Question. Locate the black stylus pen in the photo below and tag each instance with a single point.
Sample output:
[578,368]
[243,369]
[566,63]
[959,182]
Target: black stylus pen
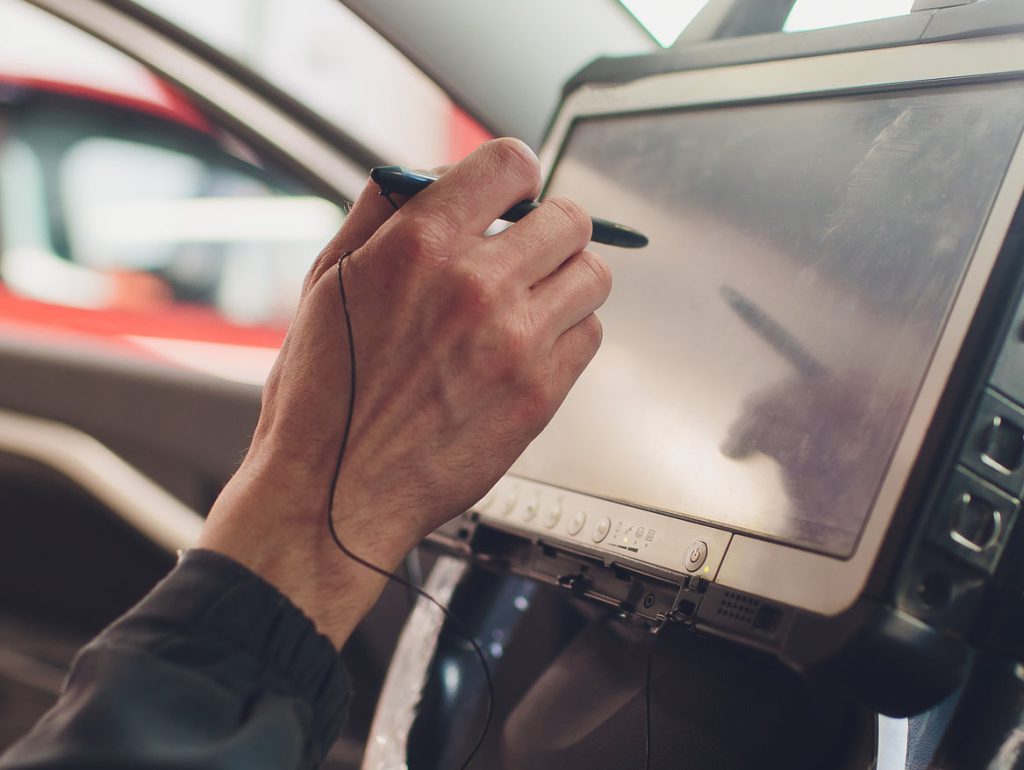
[404,181]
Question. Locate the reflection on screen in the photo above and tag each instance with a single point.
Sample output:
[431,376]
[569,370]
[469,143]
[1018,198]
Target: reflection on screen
[763,353]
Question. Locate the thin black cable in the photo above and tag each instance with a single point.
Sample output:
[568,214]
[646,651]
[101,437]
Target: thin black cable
[647,713]
[413,572]
[373,567]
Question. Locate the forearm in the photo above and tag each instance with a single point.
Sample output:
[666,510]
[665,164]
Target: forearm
[215,668]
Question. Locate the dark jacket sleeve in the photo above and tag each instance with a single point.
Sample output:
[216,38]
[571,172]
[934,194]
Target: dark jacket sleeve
[213,669]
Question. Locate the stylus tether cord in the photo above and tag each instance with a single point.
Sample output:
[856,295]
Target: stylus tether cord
[456,623]
[647,710]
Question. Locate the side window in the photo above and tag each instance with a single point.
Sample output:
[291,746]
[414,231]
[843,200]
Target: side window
[116,196]
[198,230]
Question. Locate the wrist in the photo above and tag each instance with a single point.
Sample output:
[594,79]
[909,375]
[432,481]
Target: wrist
[277,528]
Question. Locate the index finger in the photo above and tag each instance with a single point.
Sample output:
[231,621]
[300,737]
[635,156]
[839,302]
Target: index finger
[482,186]
[367,214]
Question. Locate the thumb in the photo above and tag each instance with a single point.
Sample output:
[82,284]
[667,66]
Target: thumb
[367,214]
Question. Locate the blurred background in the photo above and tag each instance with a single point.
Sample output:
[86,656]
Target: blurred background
[119,195]
[153,239]
[129,201]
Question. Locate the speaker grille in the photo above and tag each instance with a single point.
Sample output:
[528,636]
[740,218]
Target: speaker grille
[738,608]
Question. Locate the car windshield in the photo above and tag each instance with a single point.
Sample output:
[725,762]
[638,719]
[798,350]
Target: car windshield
[324,55]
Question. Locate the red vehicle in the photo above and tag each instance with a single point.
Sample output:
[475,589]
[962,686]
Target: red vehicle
[128,220]
[129,217]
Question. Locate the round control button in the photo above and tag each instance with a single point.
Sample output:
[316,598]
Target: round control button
[695,556]
[577,521]
[553,515]
[530,512]
[601,529]
[509,505]
[1003,446]
[976,524]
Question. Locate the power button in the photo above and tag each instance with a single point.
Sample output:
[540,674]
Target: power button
[695,556]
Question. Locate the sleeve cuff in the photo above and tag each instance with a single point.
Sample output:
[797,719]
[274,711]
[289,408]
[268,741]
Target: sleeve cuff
[210,608]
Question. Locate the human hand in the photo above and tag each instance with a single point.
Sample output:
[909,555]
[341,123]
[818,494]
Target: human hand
[465,347]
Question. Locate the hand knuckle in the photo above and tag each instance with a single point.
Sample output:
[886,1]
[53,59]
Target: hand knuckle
[602,273]
[515,156]
[473,292]
[426,235]
[576,219]
[593,331]
[328,256]
[312,274]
